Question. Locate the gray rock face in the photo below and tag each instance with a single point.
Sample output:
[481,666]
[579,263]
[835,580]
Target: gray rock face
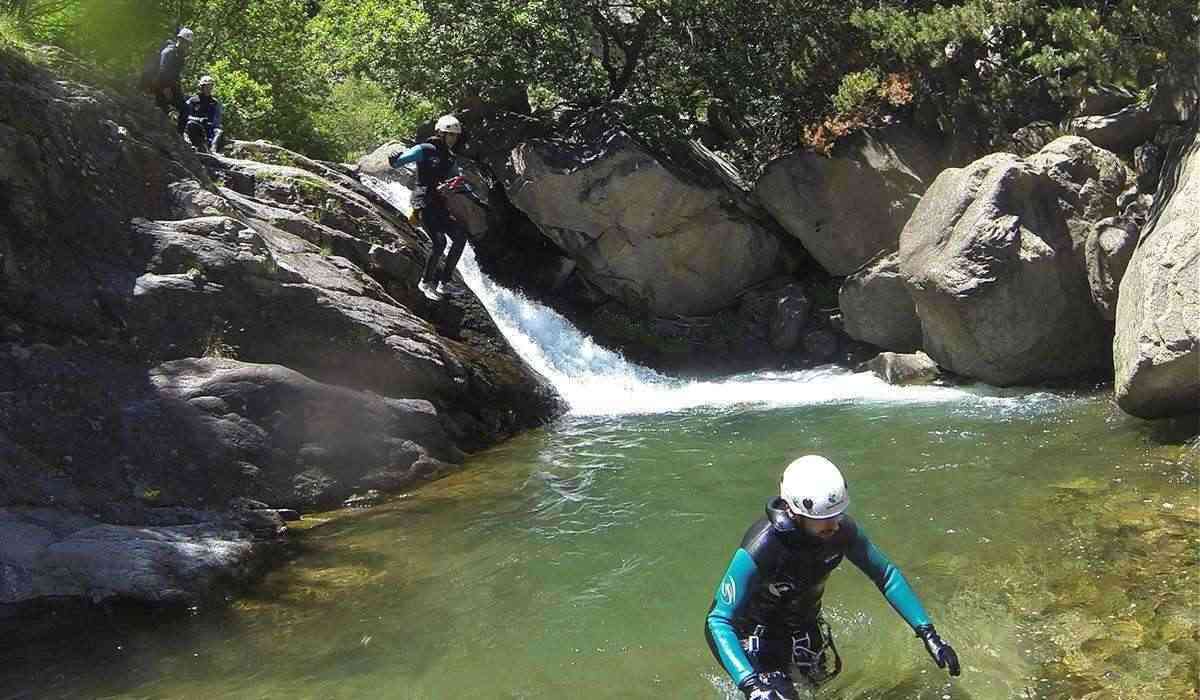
[1031,138]
[994,259]
[652,236]
[877,307]
[1119,131]
[848,208]
[1105,99]
[298,442]
[896,368]
[129,283]
[1109,247]
[47,552]
[1156,352]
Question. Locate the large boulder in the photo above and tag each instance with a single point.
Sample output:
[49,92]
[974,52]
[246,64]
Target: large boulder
[877,307]
[1120,131]
[994,259]
[659,237]
[49,554]
[300,443]
[848,208]
[1156,352]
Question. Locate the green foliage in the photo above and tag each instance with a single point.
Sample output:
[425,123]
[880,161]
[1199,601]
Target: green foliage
[246,103]
[359,115]
[11,35]
[1008,62]
[333,78]
[857,90]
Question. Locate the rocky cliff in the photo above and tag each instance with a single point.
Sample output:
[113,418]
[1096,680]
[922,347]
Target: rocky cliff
[188,347]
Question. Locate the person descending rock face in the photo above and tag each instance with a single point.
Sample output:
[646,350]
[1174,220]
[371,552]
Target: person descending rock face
[204,118]
[161,75]
[437,175]
[765,621]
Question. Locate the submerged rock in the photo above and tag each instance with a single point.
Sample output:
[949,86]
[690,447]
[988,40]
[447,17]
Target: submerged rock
[896,368]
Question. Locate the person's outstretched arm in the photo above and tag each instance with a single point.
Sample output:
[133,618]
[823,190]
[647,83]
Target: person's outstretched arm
[887,577]
[415,154]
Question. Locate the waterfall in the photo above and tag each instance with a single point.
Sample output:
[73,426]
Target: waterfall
[597,381]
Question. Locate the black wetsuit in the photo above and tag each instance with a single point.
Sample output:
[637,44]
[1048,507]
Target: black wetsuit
[435,165]
[201,134]
[766,613]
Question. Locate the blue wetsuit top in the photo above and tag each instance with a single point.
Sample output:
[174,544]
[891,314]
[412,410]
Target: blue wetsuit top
[776,579]
[416,154]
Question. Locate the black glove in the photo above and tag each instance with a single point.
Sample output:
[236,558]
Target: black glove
[942,653]
[759,687]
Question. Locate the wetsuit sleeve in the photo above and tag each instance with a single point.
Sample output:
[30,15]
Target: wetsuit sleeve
[888,579]
[415,154]
[216,116]
[732,593]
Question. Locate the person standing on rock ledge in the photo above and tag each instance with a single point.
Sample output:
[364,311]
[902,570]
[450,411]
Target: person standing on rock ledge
[204,118]
[765,621]
[162,72]
[436,177]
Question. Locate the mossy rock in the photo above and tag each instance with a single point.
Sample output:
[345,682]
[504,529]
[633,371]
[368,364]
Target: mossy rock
[1083,485]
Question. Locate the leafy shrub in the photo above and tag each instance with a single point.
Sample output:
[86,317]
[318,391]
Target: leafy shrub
[858,91]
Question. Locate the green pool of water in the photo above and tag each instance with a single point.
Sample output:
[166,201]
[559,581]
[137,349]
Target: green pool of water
[1053,541]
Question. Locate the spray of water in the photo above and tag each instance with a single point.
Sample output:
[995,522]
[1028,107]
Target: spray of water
[597,381]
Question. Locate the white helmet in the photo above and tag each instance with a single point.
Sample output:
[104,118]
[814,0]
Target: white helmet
[448,124]
[206,80]
[186,34]
[814,487]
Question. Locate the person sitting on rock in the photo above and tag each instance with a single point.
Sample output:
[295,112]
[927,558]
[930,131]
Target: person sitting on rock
[204,118]
[765,622]
[162,73]
[436,177]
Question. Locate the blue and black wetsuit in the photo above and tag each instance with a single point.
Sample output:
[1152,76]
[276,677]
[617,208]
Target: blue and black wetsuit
[435,165]
[766,613]
[207,108]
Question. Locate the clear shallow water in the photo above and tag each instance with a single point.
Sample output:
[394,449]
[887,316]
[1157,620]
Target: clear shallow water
[1053,541]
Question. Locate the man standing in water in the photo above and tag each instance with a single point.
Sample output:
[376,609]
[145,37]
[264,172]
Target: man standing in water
[765,620]
[436,176]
